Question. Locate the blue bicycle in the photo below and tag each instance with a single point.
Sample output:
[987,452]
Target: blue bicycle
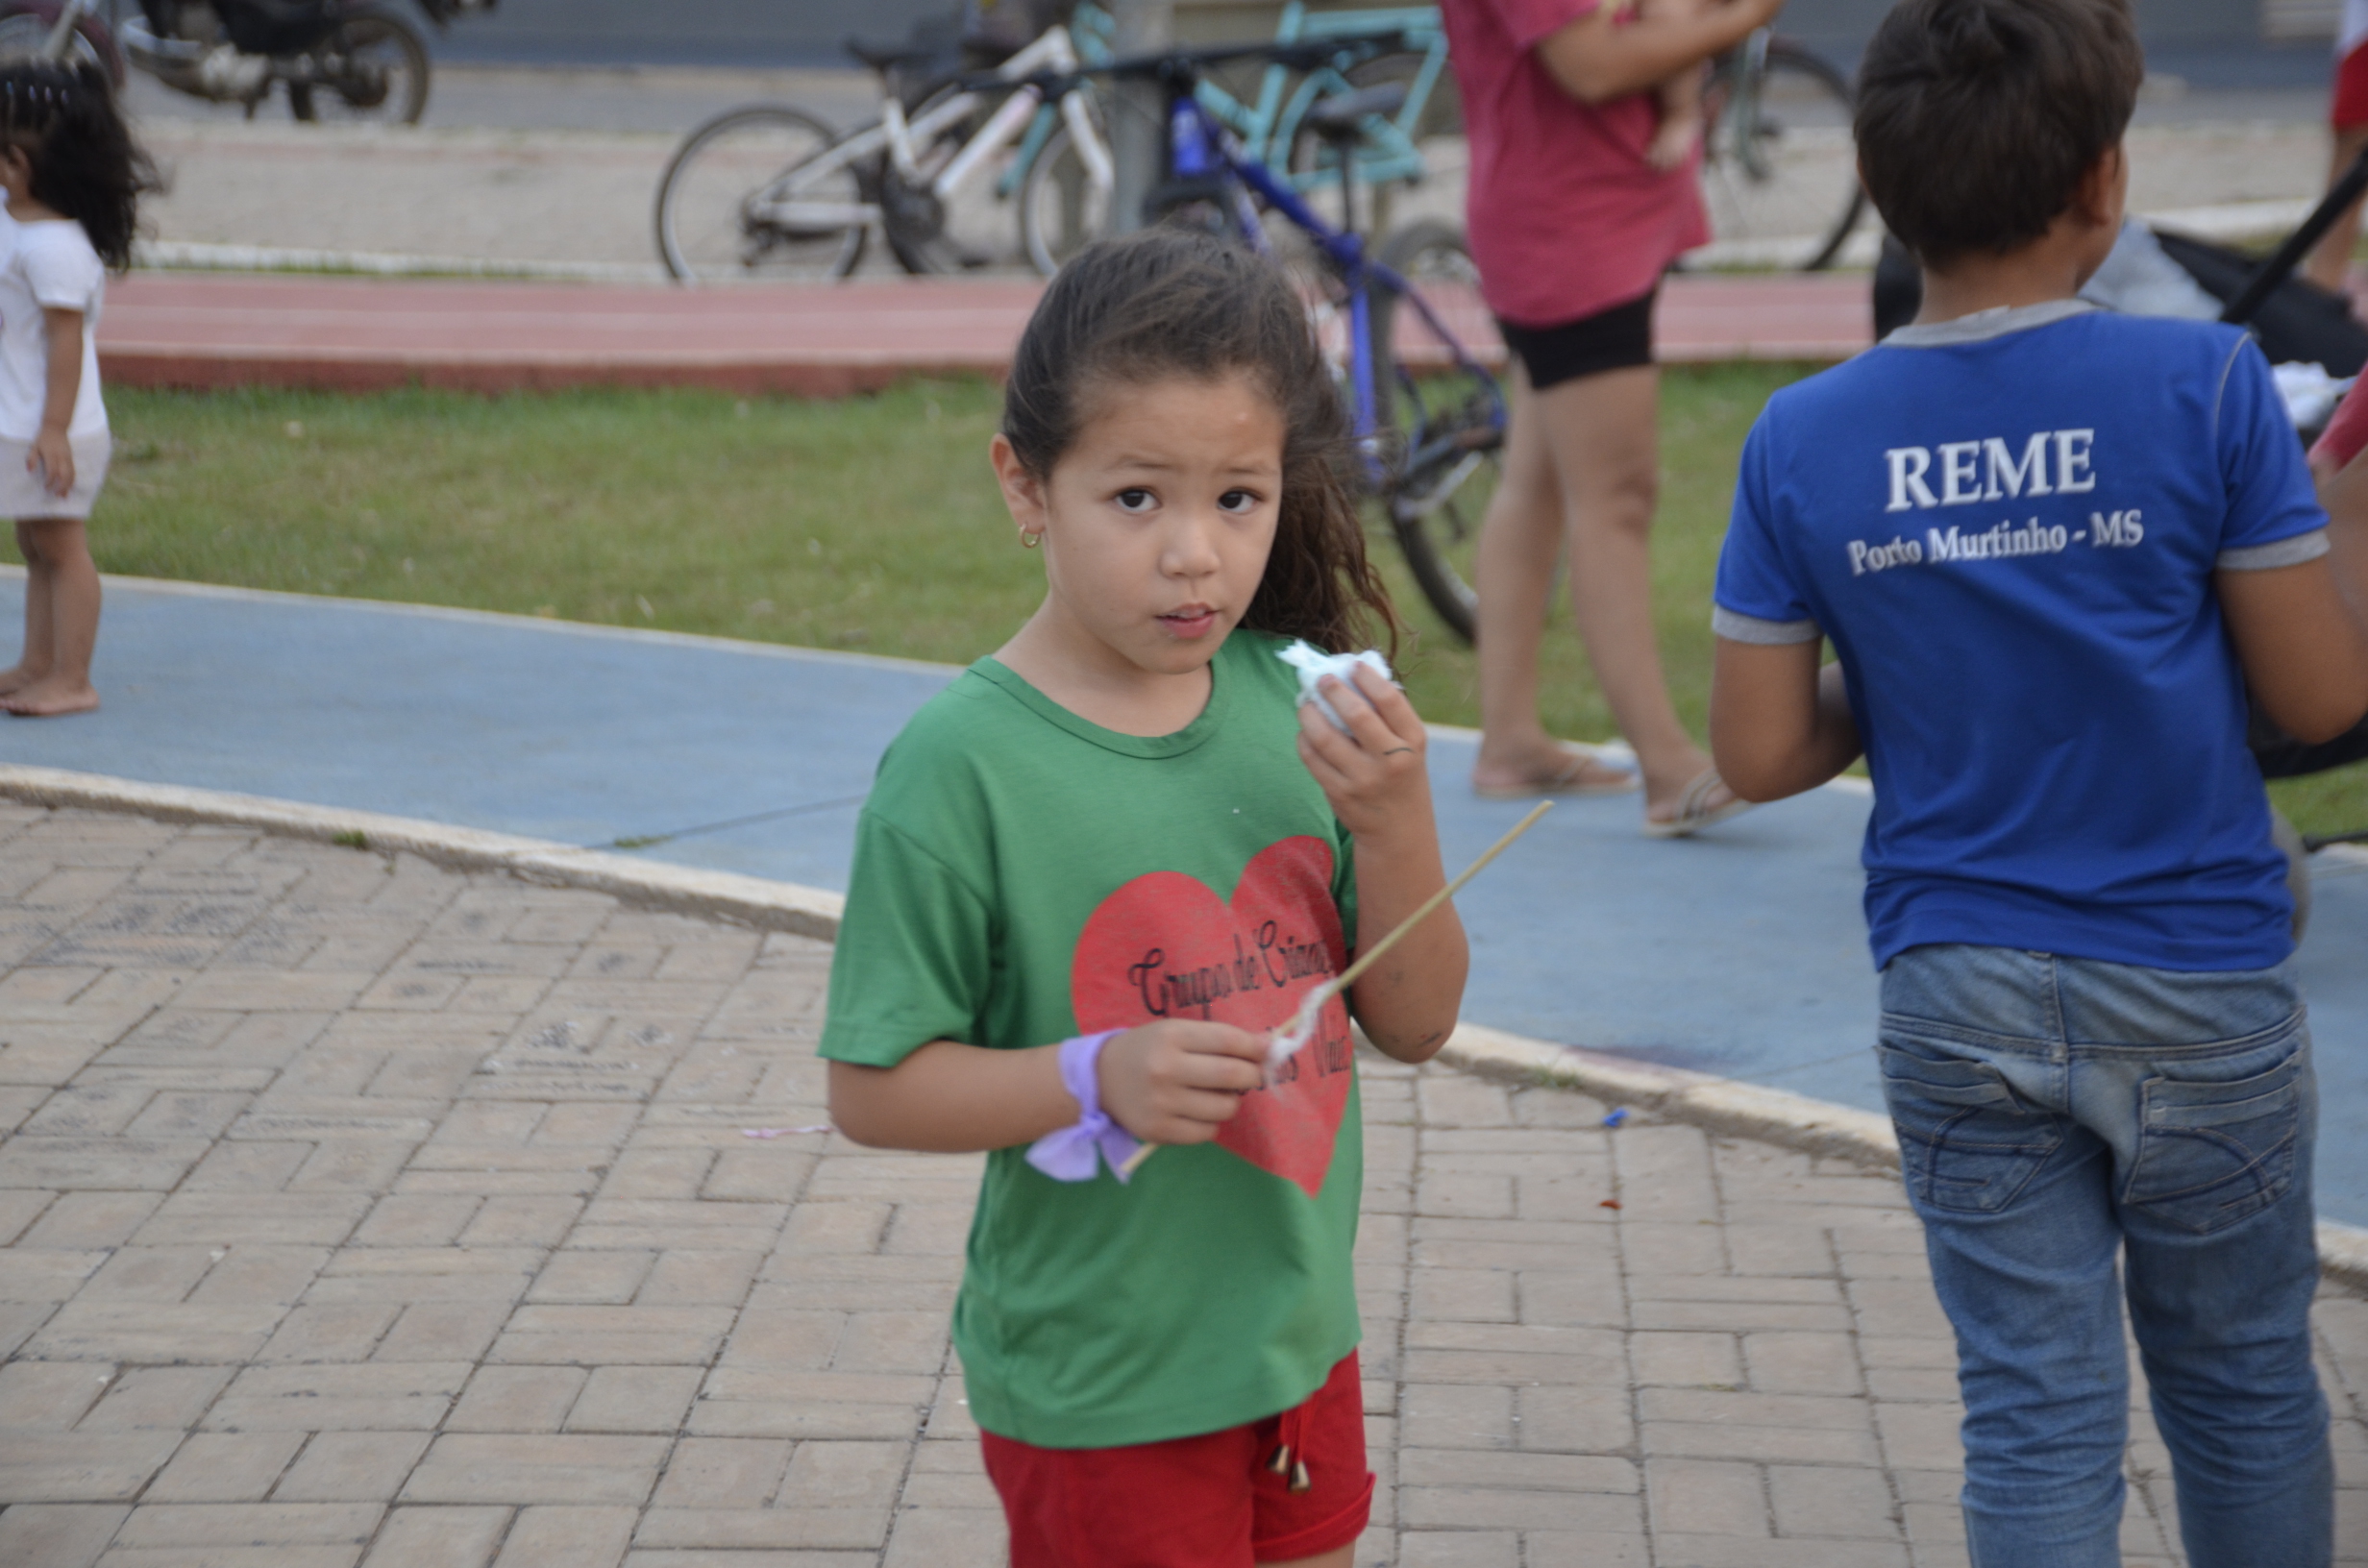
[1414,348]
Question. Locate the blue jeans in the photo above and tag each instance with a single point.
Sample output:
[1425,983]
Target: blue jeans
[2054,1113]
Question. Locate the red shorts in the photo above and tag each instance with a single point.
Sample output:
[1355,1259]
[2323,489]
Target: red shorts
[1206,1502]
[2350,111]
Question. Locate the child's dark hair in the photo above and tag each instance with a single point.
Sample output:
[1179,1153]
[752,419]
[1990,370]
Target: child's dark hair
[1977,119]
[1178,303]
[85,165]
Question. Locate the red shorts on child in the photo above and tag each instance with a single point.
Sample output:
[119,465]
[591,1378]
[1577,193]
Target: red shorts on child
[1205,1501]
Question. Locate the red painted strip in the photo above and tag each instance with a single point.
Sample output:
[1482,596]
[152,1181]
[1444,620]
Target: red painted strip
[207,331]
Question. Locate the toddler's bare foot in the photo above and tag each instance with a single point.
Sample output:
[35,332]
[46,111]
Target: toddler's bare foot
[1674,142]
[49,697]
[16,679]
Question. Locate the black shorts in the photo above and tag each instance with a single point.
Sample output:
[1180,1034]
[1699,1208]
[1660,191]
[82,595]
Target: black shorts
[1620,338]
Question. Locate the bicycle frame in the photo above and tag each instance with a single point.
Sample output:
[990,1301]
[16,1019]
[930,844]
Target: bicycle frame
[1402,159]
[1262,126]
[901,140]
[61,32]
[1201,150]
[1091,29]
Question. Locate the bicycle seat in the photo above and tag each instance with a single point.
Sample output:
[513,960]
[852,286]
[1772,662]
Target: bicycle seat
[1340,117]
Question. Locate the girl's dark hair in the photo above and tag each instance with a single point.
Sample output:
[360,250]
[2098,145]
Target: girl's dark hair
[1977,119]
[85,165]
[1178,303]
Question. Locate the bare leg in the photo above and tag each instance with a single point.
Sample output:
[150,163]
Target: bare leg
[1603,435]
[69,617]
[37,639]
[1521,540]
[2331,259]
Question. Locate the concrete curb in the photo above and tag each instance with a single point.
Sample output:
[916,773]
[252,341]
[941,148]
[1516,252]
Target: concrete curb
[745,900]
[1719,1105]
[199,256]
[1771,1115]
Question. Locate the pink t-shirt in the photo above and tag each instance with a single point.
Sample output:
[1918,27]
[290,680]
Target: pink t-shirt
[1567,218]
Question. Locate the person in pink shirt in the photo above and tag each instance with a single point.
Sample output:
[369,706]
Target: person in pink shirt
[2348,117]
[1571,225]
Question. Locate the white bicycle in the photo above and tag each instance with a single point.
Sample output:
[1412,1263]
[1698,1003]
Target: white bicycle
[770,191]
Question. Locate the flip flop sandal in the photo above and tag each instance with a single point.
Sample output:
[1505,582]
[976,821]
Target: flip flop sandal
[1694,812]
[1567,783]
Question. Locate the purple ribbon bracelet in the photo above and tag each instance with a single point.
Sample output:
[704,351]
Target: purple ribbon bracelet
[1075,1152]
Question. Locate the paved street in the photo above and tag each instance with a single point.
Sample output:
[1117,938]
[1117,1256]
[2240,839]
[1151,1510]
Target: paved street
[360,1212]
[1741,953]
[564,167]
[660,99]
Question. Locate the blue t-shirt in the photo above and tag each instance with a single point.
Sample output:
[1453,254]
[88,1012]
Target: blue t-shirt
[2008,525]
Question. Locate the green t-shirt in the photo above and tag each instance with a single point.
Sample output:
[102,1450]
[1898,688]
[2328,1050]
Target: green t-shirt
[1022,875]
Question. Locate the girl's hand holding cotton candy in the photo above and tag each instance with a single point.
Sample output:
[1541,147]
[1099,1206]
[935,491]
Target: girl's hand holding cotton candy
[1314,663]
[1364,742]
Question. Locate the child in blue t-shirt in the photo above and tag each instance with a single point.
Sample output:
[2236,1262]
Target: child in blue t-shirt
[2051,548]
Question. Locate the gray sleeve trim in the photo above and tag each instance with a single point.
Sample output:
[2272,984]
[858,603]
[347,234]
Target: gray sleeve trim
[2293,552]
[1750,628]
[2220,390]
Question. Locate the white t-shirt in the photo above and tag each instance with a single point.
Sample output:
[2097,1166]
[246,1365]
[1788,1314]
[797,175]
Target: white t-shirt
[48,265]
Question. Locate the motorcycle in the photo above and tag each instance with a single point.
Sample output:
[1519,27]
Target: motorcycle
[352,60]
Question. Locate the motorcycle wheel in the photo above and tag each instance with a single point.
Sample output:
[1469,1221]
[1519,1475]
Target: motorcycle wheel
[373,67]
[24,31]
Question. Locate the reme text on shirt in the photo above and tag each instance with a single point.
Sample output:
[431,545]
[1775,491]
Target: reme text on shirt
[2050,463]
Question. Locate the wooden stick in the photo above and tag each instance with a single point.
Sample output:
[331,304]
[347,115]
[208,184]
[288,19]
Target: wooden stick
[1365,960]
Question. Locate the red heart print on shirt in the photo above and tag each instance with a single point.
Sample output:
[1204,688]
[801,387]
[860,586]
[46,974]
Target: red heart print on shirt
[1166,946]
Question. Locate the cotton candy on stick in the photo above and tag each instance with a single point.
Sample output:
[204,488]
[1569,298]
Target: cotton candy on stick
[1288,1041]
[1314,663]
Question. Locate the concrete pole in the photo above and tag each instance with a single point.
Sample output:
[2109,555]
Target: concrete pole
[1138,117]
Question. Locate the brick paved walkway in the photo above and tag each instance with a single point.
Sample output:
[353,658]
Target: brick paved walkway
[360,1212]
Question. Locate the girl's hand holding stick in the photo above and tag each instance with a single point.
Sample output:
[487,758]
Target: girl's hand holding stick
[1365,768]
[1179,1080]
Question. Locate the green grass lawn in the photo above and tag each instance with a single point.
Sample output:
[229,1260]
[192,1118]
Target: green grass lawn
[871,522]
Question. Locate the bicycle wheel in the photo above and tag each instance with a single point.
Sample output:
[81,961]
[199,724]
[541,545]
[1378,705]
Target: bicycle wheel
[373,67]
[1062,208]
[1444,449]
[723,204]
[1779,170]
[24,34]
[960,231]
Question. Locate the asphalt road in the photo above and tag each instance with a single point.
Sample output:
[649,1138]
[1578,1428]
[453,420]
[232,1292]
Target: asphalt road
[622,97]
[666,99]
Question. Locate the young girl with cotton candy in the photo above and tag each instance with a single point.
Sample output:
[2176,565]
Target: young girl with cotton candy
[1094,876]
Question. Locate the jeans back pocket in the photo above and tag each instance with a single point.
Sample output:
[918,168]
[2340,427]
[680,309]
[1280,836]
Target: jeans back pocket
[2210,1153]
[1966,1141]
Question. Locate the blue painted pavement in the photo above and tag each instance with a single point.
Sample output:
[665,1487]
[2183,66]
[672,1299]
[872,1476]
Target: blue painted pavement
[1740,953]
